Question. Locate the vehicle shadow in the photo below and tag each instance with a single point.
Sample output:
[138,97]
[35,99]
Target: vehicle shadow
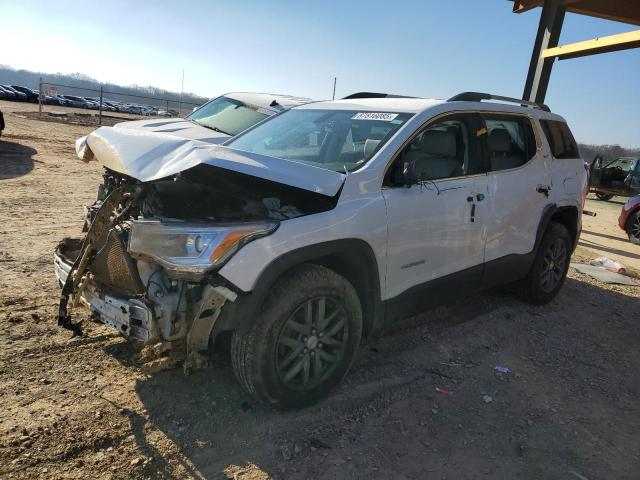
[15,159]
[614,251]
[621,238]
[215,427]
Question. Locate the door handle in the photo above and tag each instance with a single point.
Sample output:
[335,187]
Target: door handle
[543,189]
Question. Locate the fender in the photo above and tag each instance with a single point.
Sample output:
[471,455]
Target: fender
[352,258]
[547,214]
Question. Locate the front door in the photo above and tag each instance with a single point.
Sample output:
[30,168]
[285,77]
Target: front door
[435,226]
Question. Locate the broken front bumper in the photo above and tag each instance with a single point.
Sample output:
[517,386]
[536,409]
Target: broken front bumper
[131,317]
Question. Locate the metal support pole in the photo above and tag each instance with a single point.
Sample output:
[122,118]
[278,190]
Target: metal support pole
[100,110]
[335,79]
[40,93]
[181,93]
[549,28]
[167,108]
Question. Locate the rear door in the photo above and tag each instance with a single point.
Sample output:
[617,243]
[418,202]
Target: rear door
[519,187]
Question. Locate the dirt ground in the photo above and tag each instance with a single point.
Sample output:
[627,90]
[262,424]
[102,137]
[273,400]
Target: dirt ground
[602,235]
[422,401]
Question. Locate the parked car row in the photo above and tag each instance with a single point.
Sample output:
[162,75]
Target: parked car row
[20,93]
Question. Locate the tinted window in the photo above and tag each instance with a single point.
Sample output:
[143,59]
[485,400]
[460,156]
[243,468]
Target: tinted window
[510,141]
[560,139]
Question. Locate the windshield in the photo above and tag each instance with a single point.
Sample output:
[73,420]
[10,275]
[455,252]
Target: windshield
[226,115]
[331,139]
[626,164]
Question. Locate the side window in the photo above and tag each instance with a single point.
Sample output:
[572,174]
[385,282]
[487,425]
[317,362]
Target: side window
[441,150]
[510,141]
[560,139]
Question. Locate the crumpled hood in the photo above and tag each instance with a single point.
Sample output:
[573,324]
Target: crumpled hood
[177,127]
[149,156]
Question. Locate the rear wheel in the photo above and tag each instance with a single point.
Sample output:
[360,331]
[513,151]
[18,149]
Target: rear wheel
[603,196]
[633,228]
[304,340]
[549,269]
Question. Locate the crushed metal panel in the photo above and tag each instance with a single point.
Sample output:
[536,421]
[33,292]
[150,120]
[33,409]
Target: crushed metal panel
[148,156]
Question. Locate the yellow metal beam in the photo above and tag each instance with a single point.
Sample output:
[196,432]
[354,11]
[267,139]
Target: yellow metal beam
[612,43]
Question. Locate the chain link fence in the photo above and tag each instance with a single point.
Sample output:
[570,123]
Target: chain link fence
[104,106]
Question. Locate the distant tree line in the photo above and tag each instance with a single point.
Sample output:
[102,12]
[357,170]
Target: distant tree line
[10,76]
[608,152]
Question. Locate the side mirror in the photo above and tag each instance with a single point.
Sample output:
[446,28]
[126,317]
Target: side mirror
[408,175]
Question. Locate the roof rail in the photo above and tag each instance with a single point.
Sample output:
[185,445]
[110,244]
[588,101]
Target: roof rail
[373,95]
[478,97]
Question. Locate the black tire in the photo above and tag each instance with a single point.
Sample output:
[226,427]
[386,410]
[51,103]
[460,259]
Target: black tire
[266,355]
[633,228]
[603,196]
[549,271]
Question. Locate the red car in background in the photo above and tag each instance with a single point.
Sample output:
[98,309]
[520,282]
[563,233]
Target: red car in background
[629,219]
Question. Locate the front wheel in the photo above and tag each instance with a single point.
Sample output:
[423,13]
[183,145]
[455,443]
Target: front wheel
[603,196]
[633,228]
[550,266]
[304,340]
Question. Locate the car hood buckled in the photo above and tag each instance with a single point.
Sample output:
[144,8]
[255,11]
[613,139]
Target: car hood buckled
[148,156]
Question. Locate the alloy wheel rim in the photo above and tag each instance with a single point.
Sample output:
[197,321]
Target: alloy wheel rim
[312,343]
[635,228]
[553,266]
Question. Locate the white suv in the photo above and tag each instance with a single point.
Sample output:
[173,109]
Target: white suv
[312,229]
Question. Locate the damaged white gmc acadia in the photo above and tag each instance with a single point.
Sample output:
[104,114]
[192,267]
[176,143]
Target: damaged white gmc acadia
[310,230]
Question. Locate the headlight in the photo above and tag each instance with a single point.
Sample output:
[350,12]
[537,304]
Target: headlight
[191,249]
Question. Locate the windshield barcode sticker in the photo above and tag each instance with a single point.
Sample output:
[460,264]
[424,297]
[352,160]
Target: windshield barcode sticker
[385,117]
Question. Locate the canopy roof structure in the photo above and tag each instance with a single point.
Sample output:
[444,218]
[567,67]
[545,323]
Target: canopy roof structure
[546,49]
[626,11]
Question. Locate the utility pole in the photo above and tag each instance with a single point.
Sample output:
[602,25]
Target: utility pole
[40,98]
[181,93]
[335,79]
[100,111]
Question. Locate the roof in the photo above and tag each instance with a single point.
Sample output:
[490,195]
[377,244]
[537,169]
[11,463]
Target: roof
[407,105]
[626,11]
[418,105]
[264,100]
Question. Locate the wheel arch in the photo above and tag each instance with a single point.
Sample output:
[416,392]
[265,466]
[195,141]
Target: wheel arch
[566,216]
[354,259]
[630,215]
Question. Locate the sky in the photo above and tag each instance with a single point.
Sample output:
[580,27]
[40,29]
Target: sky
[426,48]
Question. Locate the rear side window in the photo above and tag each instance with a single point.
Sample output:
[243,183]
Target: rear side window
[560,139]
[510,141]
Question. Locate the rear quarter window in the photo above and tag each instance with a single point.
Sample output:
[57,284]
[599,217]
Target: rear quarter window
[560,139]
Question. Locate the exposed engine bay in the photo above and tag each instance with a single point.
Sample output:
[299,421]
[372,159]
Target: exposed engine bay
[147,264]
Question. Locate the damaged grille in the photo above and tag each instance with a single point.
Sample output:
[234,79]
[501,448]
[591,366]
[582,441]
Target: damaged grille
[114,267]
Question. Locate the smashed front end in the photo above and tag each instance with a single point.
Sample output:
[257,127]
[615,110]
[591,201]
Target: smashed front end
[148,263]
